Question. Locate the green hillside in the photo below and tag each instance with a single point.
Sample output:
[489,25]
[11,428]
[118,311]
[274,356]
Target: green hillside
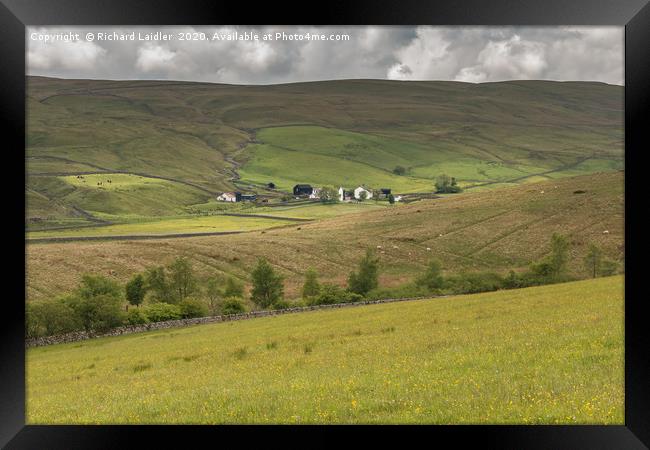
[545,355]
[214,137]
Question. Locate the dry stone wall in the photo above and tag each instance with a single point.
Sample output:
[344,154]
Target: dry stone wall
[83,335]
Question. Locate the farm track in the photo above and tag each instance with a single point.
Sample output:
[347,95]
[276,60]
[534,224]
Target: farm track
[126,237]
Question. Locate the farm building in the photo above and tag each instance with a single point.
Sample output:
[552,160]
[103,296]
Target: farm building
[345,195]
[248,197]
[384,192]
[359,193]
[230,197]
[302,189]
[315,193]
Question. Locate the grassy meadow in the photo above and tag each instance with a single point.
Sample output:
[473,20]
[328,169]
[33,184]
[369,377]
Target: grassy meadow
[542,355]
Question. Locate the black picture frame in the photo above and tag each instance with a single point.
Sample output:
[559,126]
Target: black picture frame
[633,14]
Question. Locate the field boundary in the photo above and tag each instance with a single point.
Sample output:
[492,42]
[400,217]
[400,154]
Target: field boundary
[181,323]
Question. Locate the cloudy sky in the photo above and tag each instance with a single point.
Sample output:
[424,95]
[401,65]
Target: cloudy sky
[228,55]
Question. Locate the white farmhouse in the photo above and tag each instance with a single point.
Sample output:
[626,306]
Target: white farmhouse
[358,192]
[228,197]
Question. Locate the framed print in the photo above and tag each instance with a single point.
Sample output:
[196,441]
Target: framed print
[422,214]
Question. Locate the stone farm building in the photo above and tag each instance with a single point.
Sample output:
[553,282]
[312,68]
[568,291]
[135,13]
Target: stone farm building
[302,189]
[358,192]
[229,197]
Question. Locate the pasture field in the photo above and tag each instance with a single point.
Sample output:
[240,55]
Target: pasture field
[114,196]
[349,132]
[474,231]
[542,355]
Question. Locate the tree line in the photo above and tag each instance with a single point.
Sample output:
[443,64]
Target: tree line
[174,291]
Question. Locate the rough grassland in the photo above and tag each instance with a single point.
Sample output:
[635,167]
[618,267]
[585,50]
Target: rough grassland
[545,355]
[487,230]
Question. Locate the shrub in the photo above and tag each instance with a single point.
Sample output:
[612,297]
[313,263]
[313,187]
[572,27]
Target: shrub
[609,267]
[97,285]
[191,307]
[399,170]
[160,312]
[331,294]
[282,304]
[404,291]
[468,283]
[232,306]
[98,312]
[431,279]
[50,317]
[136,316]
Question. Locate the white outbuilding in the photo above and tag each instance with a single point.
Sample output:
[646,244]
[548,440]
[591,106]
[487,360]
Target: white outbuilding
[358,192]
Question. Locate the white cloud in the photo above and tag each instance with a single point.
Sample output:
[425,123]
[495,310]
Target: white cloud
[480,54]
[154,57]
[79,55]
[474,54]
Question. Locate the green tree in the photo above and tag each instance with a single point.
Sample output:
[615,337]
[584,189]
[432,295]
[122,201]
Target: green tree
[99,312]
[96,285]
[50,317]
[135,290]
[213,294]
[182,281]
[594,260]
[267,285]
[554,266]
[559,253]
[367,277]
[363,195]
[446,184]
[311,287]
[432,278]
[399,170]
[158,286]
[609,267]
[329,195]
[391,199]
[233,288]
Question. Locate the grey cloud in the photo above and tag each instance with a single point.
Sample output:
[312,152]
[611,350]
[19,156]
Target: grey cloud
[474,54]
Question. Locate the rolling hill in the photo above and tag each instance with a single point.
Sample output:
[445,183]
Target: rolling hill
[203,138]
[495,230]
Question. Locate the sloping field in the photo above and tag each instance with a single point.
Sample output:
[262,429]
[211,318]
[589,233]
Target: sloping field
[486,230]
[544,355]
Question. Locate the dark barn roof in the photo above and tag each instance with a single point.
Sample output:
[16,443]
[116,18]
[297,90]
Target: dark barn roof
[302,189]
